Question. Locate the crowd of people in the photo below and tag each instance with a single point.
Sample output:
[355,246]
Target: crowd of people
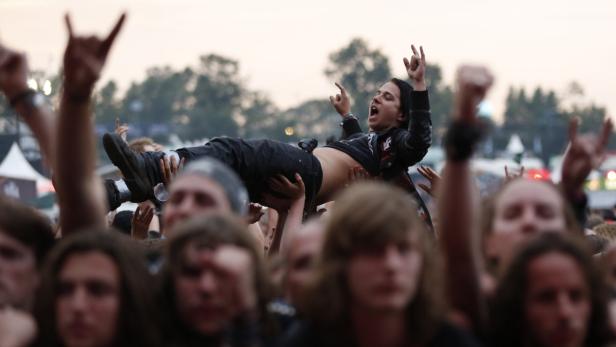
[244,242]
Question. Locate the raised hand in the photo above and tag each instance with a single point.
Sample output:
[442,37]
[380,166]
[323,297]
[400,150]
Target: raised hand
[121,129]
[13,72]
[233,266]
[17,328]
[416,68]
[255,212]
[283,193]
[170,168]
[84,60]
[341,102]
[510,175]
[472,83]
[584,154]
[432,176]
[142,217]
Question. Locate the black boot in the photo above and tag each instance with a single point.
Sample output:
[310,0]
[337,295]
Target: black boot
[141,170]
[113,195]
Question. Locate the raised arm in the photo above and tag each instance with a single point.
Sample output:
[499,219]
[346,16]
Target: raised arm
[288,199]
[583,154]
[80,191]
[342,103]
[458,204]
[412,145]
[30,105]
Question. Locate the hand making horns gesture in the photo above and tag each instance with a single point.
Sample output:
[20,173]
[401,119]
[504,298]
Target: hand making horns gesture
[416,68]
[341,102]
[84,59]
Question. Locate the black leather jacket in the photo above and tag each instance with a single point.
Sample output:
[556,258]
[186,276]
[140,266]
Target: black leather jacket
[389,153]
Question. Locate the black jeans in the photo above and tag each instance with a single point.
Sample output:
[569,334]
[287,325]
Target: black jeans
[257,160]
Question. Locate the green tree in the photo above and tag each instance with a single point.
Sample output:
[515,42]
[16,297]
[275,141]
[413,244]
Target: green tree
[161,97]
[361,70]
[540,120]
[106,104]
[217,99]
[260,118]
[314,118]
[441,100]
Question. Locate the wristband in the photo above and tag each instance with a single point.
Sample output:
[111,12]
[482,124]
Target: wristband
[461,139]
[347,117]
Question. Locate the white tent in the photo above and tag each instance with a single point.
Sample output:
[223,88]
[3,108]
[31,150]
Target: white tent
[515,145]
[16,166]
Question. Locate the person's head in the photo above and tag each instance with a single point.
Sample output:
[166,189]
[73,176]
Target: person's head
[144,144]
[520,209]
[608,263]
[203,186]
[552,294]
[376,260]
[390,107]
[95,291]
[195,288]
[302,250]
[25,238]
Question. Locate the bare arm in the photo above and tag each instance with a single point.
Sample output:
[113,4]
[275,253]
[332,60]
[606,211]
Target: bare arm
[458,206]
[38,115]
[80,191]
[290,209]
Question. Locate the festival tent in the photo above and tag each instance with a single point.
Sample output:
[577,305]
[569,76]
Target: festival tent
[16,168]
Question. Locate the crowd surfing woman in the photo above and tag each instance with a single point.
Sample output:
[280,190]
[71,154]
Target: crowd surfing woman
[378,280]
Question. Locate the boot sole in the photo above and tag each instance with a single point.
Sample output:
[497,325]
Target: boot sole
[117,153]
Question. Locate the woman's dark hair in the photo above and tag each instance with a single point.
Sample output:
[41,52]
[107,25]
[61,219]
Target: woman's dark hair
[137,324]
[209,231]
[508,326]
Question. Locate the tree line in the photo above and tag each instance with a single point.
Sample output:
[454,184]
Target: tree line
[211,99]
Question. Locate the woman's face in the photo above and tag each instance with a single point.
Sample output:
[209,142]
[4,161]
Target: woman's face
[385,279]
[557,302]
[88,301]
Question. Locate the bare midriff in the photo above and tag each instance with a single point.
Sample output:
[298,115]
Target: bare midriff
[335,165]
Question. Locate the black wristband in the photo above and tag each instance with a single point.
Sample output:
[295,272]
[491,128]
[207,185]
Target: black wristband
[21,96]
[461,139]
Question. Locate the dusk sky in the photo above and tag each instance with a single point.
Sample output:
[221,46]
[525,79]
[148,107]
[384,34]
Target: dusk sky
[283,45]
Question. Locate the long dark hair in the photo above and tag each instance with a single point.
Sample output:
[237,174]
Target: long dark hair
[136,324]
[209,231]
[508,326]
